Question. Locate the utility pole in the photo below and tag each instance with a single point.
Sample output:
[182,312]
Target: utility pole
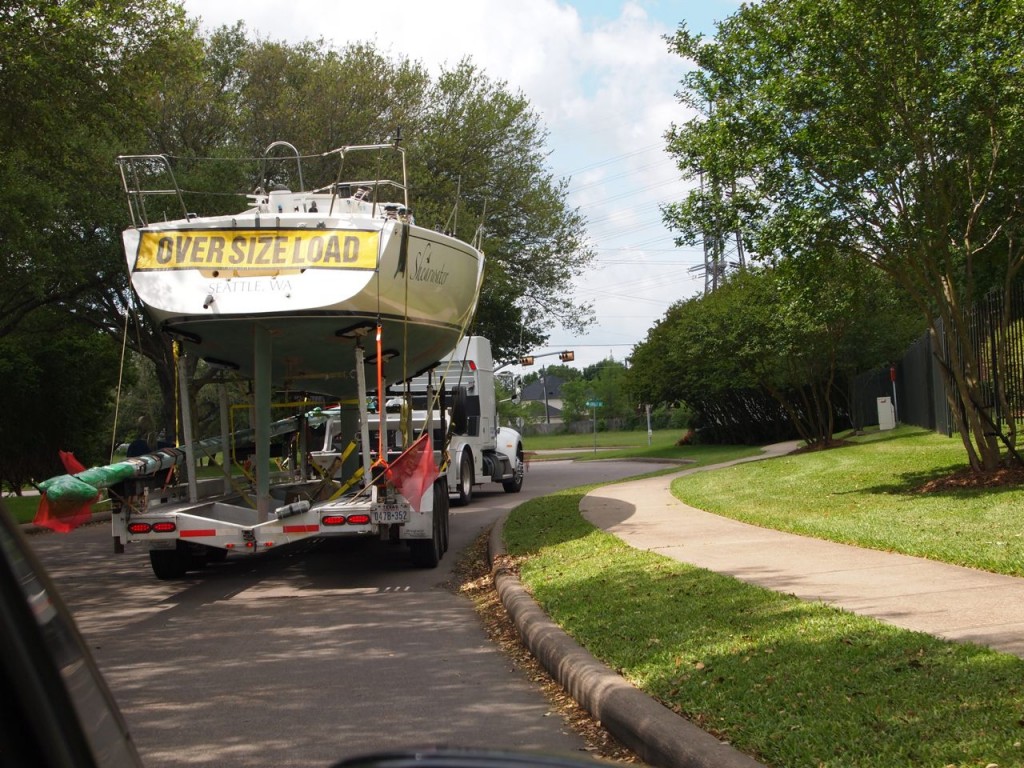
[566,356]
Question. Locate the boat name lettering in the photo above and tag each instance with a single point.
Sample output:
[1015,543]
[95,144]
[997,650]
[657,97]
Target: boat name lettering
[246,250]
[423,272]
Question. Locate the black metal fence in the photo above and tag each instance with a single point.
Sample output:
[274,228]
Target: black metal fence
[917,383]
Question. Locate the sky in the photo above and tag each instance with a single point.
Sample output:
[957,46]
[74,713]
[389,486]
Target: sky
[603,82]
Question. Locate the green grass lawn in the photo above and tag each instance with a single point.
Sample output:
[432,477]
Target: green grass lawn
[868,494]
[22,508]
[793,683]
[618,445]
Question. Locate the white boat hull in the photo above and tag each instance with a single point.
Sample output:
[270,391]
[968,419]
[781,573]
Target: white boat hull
[308,281]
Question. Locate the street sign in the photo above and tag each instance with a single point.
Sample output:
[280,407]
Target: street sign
[594,403]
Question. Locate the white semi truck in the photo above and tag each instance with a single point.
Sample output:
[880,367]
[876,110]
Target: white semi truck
[458,397]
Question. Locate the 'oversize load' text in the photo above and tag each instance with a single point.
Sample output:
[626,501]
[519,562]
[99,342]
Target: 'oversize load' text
[257,250]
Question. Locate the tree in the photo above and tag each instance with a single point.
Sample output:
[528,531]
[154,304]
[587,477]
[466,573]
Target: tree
[59,375]
[892,129]
[482,158]
[602,382]
[318,98]
[74,76]
[70,73]
[798,332]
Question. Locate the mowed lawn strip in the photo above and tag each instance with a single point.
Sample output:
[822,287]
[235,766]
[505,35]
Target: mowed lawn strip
[868,493]
[792,683]
[662,445]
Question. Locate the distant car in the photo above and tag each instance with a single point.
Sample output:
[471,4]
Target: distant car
[55,709]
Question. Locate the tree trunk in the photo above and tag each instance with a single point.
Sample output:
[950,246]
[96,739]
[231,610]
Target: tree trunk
[963,394]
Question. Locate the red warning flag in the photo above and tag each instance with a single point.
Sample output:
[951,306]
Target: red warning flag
[71,465]
[65,516]
[414,471]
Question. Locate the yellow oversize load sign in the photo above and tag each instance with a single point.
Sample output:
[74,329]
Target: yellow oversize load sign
[242,250]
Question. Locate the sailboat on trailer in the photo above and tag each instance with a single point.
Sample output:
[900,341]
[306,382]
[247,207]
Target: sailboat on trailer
[299,274]
[333,291]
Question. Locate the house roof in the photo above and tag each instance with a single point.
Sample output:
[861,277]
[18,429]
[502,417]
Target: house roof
[535,389]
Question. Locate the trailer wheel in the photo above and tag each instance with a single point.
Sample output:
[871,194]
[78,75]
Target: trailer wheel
[216,555]
[168,563]
[426,553]
[465,487]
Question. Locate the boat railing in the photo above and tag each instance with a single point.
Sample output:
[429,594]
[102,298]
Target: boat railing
[143,176]
[298,161]
[137,168]
[341,186]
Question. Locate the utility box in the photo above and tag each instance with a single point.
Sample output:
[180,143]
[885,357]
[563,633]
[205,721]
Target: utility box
[886,414]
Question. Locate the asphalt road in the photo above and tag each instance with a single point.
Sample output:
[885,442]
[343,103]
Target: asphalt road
[305,656]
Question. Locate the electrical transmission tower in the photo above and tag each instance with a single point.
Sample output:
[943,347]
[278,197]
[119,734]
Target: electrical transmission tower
[723,246]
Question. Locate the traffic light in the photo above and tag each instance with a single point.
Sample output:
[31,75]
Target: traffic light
[527,360]
[566,357]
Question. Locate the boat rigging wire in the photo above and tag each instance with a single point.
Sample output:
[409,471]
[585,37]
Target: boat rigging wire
[120,379]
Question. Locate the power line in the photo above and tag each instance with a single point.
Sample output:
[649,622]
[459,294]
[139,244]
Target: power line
[615,159]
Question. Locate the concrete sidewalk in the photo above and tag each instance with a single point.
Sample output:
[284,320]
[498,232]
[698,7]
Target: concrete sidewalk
[955,603]
[948,601]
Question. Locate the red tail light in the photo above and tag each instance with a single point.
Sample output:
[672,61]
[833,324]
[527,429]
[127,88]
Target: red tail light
[333,520]
[167,527]
[358,519]
[139,527]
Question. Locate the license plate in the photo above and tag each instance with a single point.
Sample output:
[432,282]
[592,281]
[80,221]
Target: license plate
[390,513]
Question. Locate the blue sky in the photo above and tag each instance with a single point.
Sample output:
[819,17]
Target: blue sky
[600,76]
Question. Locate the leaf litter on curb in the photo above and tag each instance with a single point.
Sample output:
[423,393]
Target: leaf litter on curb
[472,577]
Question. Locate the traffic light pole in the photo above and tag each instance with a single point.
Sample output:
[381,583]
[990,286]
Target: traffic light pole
[566,356]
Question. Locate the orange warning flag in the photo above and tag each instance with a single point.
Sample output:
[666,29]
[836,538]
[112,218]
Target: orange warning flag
[414,471]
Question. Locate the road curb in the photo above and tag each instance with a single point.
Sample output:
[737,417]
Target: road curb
[656,734]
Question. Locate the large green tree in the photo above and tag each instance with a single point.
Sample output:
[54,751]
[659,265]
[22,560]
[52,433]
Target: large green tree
[58,376]
[70,73]
[603,383]
[893,128]
[73,74]
[798,332]
[480,162]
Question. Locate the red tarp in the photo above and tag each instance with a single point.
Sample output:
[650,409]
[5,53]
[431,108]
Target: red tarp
[67,516]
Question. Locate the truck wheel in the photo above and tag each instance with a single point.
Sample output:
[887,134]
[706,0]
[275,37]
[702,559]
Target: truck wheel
[168,563]
[426,553]
[465,479]
[515,485]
